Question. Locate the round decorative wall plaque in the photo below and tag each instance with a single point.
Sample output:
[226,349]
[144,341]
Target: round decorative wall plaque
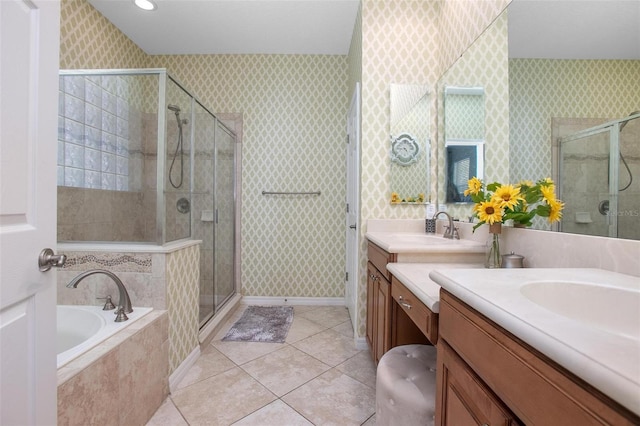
[404,149]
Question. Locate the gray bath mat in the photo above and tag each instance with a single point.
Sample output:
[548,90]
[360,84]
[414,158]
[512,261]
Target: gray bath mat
[262,324]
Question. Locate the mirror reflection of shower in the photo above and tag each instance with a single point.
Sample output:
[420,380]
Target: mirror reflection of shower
[179,147]
[622,125]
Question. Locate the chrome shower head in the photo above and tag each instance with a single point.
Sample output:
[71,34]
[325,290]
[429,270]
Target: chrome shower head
[174,108]
[625,123]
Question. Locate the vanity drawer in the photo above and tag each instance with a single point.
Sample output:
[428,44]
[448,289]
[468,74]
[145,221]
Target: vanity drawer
[535,388]
[380,257]
[423,317]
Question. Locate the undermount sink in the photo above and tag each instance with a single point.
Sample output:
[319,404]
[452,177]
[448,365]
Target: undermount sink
[611,309]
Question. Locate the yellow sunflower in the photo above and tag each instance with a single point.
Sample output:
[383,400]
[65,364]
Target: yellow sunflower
[475,186]
[525,183]
[506,196]
[548,192]
[555,210]
[548,182]
[489,212]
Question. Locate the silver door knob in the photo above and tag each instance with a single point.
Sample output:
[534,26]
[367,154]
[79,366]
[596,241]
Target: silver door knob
[48,259]
[352,226]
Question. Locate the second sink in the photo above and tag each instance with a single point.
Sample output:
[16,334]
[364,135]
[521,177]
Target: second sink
[612,309]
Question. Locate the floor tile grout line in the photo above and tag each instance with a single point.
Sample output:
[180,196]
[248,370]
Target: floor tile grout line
[285,345]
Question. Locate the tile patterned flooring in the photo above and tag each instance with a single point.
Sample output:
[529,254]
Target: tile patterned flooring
[316,377]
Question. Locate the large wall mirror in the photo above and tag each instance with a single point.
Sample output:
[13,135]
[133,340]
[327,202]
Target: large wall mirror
[572,66]
[410,147]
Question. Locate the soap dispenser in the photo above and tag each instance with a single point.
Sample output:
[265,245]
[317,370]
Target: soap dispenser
[430,222]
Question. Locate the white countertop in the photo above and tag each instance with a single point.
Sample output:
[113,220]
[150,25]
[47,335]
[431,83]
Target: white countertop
[420,242]
[608,360]
[415,276]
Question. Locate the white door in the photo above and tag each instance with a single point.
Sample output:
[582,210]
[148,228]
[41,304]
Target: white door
[29,45]
[353,205]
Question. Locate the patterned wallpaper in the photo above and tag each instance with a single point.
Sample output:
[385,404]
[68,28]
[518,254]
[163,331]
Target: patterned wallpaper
[484,64]
[88,40]
[542,89]
[405,42]
[294,109]
[182,280]
[354,59]
[464,116]
[462,22]
[294,112]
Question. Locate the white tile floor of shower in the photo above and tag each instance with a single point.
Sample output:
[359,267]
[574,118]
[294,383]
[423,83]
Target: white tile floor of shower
[317,377]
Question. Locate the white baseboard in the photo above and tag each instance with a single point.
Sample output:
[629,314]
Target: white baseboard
[326,301]
[361,343]
[183,368]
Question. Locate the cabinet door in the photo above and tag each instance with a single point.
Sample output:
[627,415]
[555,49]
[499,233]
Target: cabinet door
[383,318]
[462,398]
[372,291]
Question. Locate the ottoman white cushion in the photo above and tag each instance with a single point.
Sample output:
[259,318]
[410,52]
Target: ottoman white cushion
[406,386]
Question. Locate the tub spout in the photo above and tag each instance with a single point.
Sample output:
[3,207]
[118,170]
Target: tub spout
[124,301]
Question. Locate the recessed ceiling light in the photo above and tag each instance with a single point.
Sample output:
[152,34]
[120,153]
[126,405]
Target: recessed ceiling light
[145,4]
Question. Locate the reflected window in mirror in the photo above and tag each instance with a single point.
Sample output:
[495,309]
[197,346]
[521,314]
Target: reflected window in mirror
[465,159]
[464,119]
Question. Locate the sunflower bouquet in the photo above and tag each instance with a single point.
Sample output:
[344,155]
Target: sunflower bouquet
[497,203]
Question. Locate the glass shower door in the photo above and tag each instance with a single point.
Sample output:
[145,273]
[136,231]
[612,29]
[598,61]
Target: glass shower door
[203,205]
[584,184]
[225,215]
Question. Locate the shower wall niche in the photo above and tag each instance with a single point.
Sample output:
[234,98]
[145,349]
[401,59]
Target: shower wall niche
[142,161]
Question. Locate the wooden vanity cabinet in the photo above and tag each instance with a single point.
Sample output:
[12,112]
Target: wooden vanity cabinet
[388,324]
[487,376]
[378,312]
[378,301]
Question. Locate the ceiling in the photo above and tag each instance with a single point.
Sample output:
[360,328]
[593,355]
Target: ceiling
[322,27]
[575,29]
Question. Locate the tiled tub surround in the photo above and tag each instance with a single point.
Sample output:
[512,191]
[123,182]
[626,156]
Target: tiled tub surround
[164,278]
[122,381]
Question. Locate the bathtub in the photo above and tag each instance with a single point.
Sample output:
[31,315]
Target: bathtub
[80,328]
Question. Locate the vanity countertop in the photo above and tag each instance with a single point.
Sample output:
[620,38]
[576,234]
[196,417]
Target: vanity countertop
[420,242]
[415,276]
[587,320]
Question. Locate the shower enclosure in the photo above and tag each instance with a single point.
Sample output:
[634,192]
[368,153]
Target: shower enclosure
[599,179]
[141,160]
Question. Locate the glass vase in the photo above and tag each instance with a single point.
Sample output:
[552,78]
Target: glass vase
[493,258]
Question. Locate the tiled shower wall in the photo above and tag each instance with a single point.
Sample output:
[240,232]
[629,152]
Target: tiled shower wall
[103,164]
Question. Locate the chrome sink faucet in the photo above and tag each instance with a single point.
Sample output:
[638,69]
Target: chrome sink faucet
[450,231]
[124,302]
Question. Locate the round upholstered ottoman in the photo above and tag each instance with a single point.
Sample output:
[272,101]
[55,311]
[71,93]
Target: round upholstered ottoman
[406,386]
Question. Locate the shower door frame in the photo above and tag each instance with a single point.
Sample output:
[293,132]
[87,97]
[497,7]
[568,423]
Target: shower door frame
[231,133]
[613,128]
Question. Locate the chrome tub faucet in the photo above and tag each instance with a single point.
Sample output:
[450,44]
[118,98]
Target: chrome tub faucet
[124,302]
